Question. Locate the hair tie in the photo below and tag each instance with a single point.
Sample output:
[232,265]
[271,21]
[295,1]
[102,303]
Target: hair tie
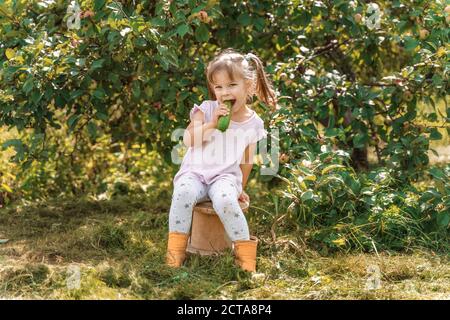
[248,57]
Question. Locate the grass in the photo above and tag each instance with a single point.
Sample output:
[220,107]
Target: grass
[117,248]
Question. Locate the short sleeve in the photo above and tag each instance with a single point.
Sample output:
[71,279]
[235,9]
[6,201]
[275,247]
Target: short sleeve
[260,132]
[202,107]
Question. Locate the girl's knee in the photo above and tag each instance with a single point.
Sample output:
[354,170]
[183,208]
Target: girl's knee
[186,191]
[226,205]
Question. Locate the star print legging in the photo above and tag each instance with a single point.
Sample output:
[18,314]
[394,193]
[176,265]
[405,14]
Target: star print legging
[189,190]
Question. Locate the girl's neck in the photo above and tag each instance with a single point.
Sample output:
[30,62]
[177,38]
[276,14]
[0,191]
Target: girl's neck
[242,114]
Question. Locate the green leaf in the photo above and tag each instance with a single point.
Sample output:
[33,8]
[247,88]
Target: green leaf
[332,167]
[202,33]
[99,93]
[173,59]
[28,85]
[101,116]
[140,42]
[182,29]
[158,22]
[60,101]
[159,8]
[98,4]
[355,186]
[359,140]
[305,171]
[435,134]
[199,8]
[437,173]
[443,218]
[437,80]
[167,55]
[97,64]
[116,7]
[307,195]
[75,94]
[259,24]
[411,43]
[18,147]
[73,120]
[244,19]
[92,129]
[331,132]
[304,18]
[36,96]
[11,143]
[136,89]
[163,62]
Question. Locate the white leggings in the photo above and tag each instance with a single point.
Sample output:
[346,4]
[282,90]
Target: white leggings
[189,190]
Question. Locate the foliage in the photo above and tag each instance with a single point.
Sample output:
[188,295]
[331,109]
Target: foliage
[96,106]
[128,70]
[346,210]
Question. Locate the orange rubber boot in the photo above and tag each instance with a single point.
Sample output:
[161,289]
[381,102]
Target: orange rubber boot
[176,249]
[245,252]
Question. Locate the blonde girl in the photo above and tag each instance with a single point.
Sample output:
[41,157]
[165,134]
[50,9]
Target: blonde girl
[217,164]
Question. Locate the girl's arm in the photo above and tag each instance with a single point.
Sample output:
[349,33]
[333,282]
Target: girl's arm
[247,163]
[198,131]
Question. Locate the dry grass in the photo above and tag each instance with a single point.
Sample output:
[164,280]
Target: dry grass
[118,246]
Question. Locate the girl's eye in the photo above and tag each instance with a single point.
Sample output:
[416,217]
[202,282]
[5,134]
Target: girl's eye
[233,84]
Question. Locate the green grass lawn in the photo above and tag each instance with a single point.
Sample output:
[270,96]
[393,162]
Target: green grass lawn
[118,248]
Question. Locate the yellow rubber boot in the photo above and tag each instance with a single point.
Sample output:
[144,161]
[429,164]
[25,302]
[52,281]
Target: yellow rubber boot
[176,249]
[245,253]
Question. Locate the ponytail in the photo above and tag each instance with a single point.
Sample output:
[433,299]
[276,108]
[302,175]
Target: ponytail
[264,89]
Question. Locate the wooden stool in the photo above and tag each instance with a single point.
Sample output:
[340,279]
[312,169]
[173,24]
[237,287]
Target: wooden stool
[208,235]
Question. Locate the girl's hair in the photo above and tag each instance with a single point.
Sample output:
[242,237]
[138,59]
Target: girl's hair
[248,67]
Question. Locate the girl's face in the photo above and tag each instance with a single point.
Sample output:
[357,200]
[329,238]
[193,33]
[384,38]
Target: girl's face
[226,89]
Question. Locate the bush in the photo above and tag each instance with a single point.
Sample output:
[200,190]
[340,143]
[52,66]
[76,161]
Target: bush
[348,210]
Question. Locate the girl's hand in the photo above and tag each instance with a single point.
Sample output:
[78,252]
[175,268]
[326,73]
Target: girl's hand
[221,110]
[244,197]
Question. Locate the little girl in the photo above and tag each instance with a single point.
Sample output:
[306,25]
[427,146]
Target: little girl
[217,164]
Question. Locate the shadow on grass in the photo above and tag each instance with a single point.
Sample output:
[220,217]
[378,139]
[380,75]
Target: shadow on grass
[119,248]
[119,244]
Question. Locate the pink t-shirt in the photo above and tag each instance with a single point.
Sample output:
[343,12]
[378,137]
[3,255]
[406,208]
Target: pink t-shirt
[221,155]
